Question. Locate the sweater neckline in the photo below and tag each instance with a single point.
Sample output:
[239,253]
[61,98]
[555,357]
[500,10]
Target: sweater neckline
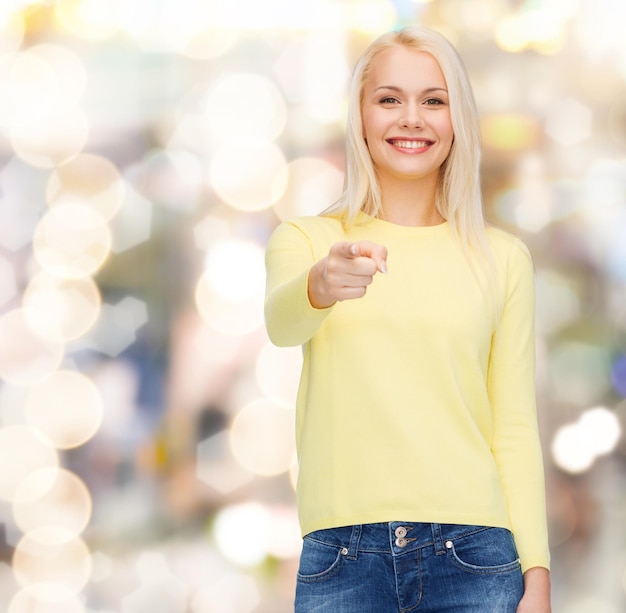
[389,226]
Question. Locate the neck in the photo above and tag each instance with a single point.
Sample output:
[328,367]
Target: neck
[409,203]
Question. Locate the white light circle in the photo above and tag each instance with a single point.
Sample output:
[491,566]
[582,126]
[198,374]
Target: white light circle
[235,537]
[245,106]
[249,175]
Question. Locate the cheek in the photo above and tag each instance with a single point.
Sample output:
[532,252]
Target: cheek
[371,123]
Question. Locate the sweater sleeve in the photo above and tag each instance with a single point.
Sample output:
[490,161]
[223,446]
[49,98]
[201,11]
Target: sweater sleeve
[290,318]
[511,385]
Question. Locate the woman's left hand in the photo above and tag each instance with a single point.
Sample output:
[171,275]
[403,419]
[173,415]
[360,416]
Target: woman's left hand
[536,597]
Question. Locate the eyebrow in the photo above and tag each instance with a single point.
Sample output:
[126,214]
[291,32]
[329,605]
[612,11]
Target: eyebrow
[399,89]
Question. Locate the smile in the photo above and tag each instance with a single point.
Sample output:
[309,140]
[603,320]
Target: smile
[410,144]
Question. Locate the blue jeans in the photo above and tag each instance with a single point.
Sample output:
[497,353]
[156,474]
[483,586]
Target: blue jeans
[402,567]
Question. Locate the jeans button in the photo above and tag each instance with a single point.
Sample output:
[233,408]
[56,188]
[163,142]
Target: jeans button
[448,544]
[401,542]
[400,531]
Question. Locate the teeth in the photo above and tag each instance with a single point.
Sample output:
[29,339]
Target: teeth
[410,144]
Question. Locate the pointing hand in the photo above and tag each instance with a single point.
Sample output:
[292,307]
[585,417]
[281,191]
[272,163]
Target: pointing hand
[346,272]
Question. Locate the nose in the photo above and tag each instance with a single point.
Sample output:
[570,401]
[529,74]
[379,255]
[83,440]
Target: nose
[411,116]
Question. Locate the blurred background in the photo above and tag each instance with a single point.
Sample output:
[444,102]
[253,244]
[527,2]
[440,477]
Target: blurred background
[147,150]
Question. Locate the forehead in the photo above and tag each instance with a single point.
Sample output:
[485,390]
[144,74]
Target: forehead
[406,68]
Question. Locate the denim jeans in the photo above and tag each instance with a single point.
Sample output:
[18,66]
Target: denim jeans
[398,567]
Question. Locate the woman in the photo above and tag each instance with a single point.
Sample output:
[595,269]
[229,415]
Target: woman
[421,481]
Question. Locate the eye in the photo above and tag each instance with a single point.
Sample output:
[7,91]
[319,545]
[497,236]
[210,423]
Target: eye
[434,102]
[388,100]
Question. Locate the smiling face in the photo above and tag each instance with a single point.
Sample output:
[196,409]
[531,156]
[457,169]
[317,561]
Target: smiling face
[406,116]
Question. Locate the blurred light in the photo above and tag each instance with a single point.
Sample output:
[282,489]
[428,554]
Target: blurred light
[478,16]
[173,178]
[159,591]
[577,445]
[67,69]
[193,29]
[117,326]
[618,375]
[8,287]
[603,197]
[25,357]
[23,451]
[536,202]
[132,225]
[30,87]
[118,383]
[52,556]
[313,184]
[602,428]
[93,20]
[229,295]
[245,106]
[53,140]
[509,131]
[12,400]
[616,121]
[235,269]
[249,174]
[285,540]
[599,28]
[101,567]
[571,449]
[67,407]
[371,16]
[89,180]
[541,28]
[273,14]
[38,83]
[262,437]
[46,598]
[605,185]
[278,372]
[11,31]
[52,498]
[532,212]
[72,241]
[569,122]
[211,229]
[230,593]
[242,533]
[558,302]
[61,309]
[21,204]
[315,73]
[216,466]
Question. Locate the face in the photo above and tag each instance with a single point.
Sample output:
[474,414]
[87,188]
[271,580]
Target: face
[406,115]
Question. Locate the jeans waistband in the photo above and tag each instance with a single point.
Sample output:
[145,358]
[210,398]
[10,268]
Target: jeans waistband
[395,537]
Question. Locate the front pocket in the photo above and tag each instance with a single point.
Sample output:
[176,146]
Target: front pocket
[318,560]
[486,551]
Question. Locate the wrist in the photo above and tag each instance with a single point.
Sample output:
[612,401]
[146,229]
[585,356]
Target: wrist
[319,298]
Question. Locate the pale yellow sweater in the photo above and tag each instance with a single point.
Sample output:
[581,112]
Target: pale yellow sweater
[415,402]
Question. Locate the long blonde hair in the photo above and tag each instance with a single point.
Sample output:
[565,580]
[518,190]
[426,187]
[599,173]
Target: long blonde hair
[458,198]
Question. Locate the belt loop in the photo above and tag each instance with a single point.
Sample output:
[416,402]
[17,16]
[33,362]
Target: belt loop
[355,537]
[438,539]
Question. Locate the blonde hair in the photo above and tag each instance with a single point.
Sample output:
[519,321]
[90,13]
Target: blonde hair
[458,198]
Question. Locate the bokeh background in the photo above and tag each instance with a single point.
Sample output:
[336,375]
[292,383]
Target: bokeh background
[147,150]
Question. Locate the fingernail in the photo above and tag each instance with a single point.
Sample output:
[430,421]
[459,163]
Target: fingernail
[352,249]
[383,267]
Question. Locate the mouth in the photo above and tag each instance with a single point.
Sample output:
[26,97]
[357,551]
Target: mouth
[410,145]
